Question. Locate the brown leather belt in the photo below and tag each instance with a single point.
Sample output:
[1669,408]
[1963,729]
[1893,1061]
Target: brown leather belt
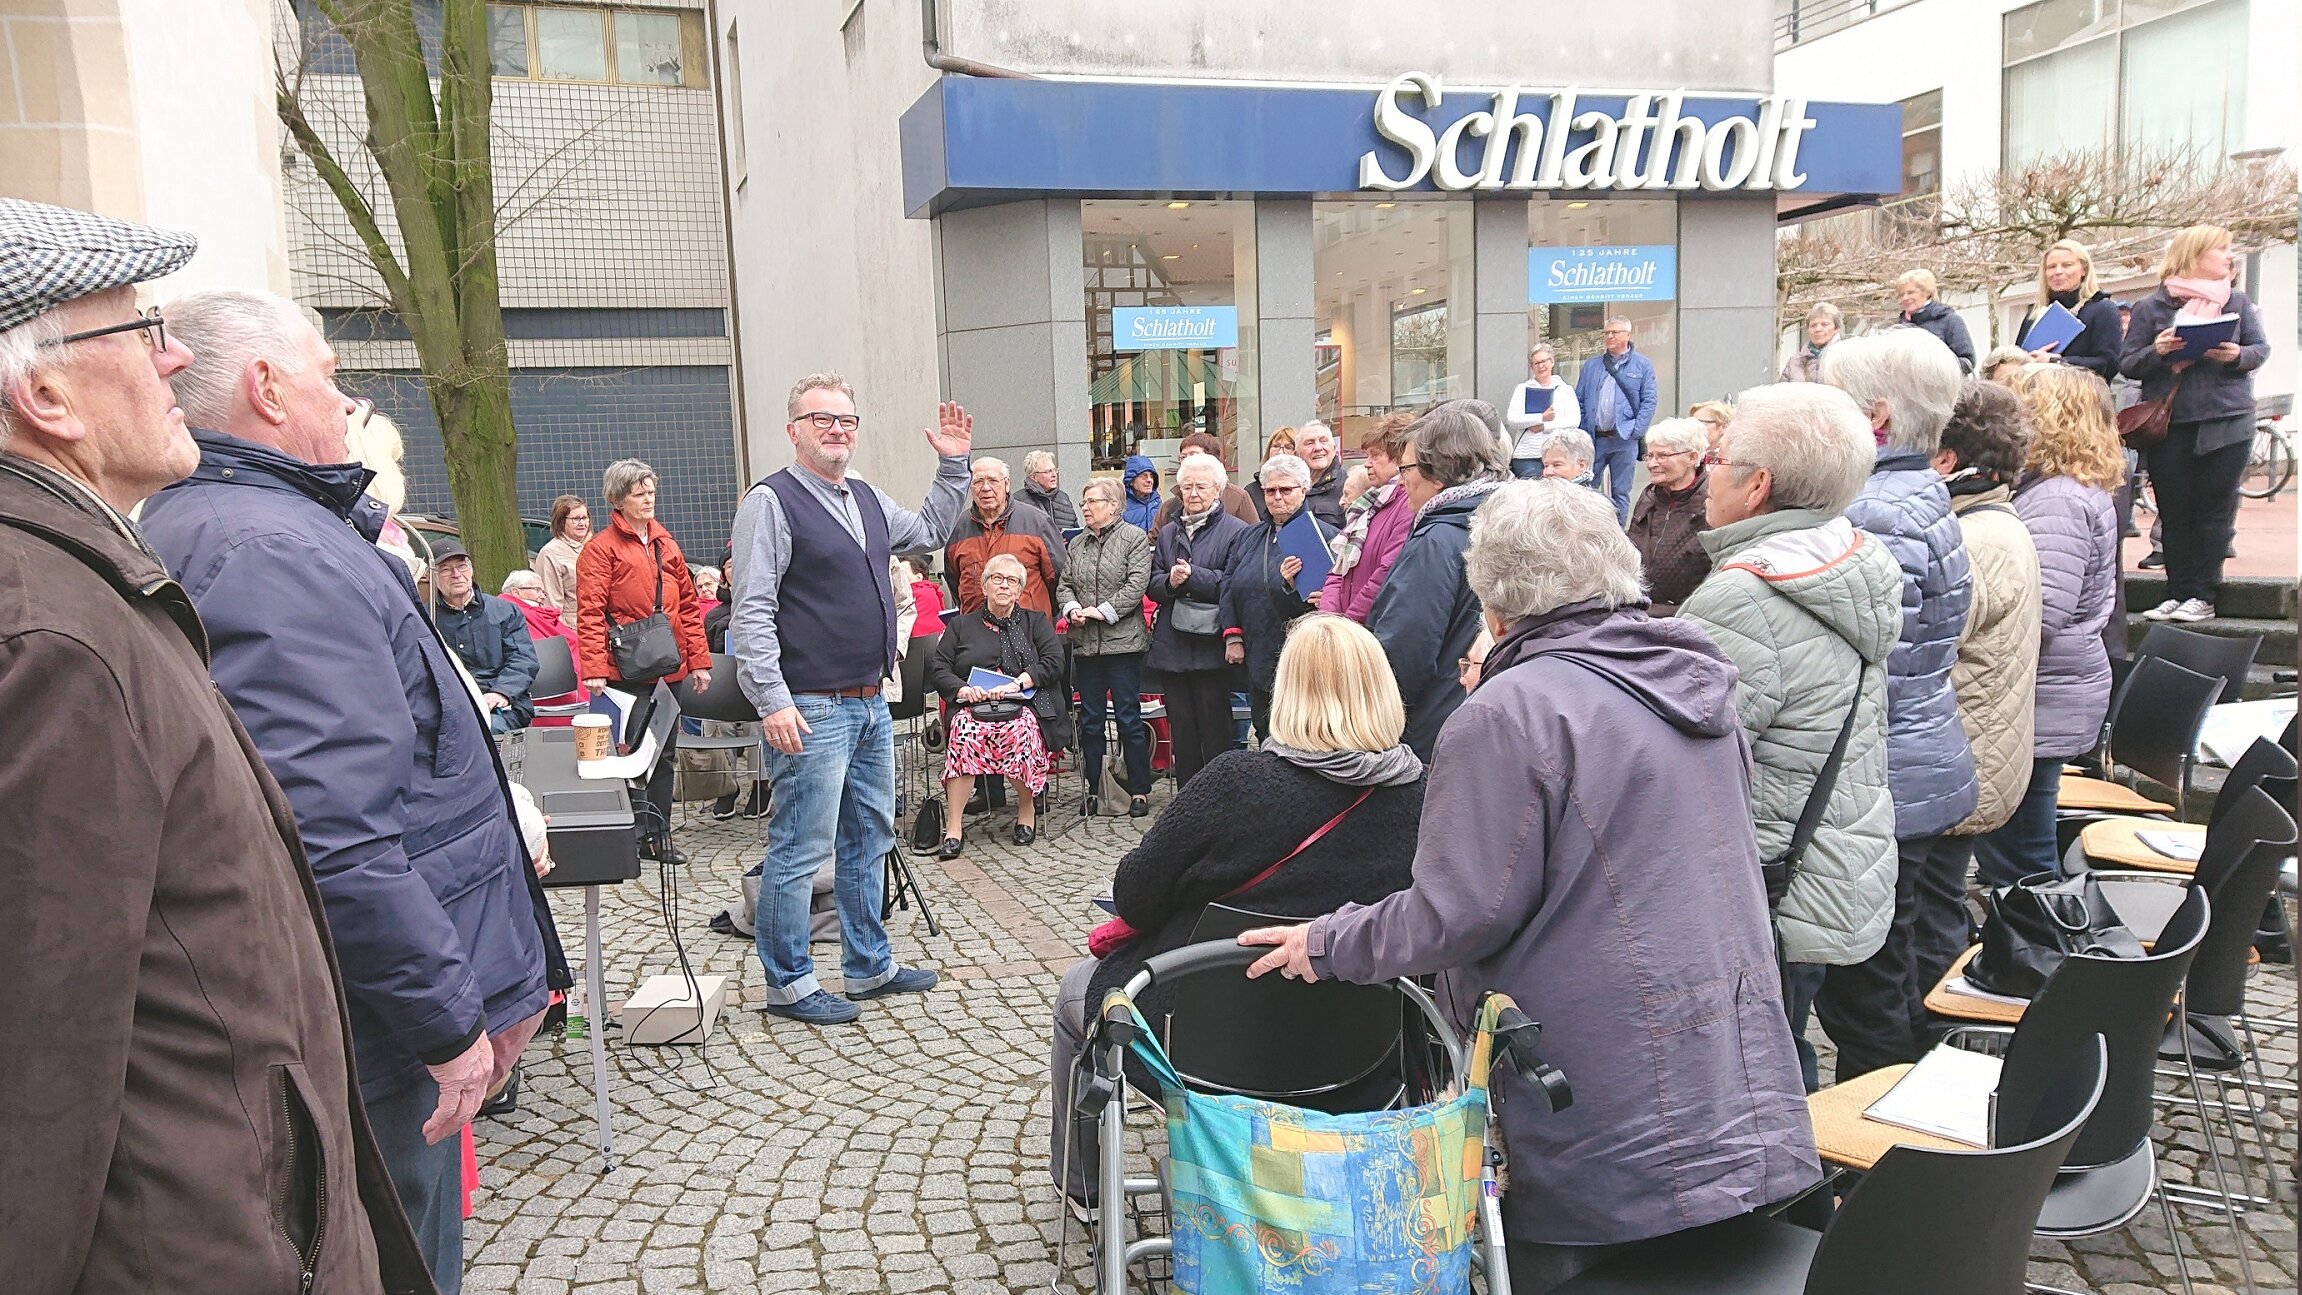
[861,690]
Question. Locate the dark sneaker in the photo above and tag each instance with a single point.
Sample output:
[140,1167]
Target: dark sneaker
[819,1008]
[906,980]
[2156,561]
[1090,807]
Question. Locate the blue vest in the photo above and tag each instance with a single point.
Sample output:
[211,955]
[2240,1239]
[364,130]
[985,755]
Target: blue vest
[830,635]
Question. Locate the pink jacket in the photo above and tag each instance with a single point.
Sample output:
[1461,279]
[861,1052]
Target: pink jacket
[545,622]
[1352,593]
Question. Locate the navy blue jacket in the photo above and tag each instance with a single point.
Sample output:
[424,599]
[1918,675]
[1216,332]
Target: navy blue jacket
[1426,618]
[492,638]
[1211,553]
[1948,329]
[402,806]
[1257,604]
[1634,398]
[2097,349]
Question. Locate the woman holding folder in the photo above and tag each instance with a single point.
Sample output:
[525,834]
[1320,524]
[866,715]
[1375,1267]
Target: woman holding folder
[2086,330]
[2196,341]
[1004,722]
[1268,586]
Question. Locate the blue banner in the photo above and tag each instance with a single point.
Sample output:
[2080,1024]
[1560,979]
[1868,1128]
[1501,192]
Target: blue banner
[1174,328]
[1584,275]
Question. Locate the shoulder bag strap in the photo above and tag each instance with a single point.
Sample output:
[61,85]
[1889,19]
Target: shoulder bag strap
[1818,800]
[1308,841]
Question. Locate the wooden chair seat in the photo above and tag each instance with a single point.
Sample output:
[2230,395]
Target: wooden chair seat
[2111,842]
[1844,1137]
[2094,795]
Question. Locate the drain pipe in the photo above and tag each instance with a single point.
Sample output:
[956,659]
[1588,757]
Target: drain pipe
[931,47]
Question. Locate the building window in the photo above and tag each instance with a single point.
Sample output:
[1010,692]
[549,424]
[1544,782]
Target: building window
[2125,75]
[1634,241]
[1922,144]
[660,47]
[1171,332]
[1385,273]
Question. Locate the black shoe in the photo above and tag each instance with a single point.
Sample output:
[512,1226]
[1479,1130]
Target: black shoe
[978,803]
[663,851]
[2276,948]
[505,1102]
[1025,834]
[1090,807]
[949,849]
[1139,807]
[723,809]
[555,1017]
[2155,562]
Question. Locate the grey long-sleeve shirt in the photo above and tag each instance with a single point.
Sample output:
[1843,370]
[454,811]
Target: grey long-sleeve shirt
[761,551]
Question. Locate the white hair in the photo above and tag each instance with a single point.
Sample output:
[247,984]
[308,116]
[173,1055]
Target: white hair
[713,572]
[1207,464]
[1575,441]
[1812,440]
[1038,461]
[1313,426]
[1537,546]
[1909,369]
[997,466]
[1678,434]
[1005,562]
[521,579]
[23,349]
[1286,465]
[1618,321]
[1103,486]
[229,329]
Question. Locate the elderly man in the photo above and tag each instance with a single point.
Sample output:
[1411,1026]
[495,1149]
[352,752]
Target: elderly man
[1616,392]
[1260,599]
[356,704]
[813,635]
[171,970]
[1906,385]
[1043,488]
[996,523]
[489,635]
[1315,446]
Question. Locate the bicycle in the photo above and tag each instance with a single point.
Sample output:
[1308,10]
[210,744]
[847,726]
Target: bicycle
[2270,464]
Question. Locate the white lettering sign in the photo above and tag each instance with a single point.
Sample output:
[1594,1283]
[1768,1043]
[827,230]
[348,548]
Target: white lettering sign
[1652,145]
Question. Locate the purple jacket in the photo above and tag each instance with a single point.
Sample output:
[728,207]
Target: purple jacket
[2076,531]
[1352,593]
[1586,847]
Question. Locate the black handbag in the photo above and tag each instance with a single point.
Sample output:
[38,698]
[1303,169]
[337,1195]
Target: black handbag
[645,650]
[995,712]
[2037,922]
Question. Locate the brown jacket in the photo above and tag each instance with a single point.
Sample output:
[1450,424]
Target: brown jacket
[1022,532]
[177,1103]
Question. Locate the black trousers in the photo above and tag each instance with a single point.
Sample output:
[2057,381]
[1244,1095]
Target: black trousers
[1874,1010]
[1198,718]
[1259,706]
[2198,503]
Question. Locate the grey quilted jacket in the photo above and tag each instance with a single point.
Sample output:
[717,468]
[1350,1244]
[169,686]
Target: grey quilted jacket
[1808,609]
[1997,666]
[1107,569]
[2076,531]
[1928,764]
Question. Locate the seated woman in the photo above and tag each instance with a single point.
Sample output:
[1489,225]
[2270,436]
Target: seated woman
[1638,938]
[999,731]
[1334,761]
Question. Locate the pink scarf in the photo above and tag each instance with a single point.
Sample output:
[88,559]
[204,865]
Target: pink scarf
[2199,298]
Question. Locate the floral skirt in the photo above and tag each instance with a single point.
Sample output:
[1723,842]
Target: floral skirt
[1010,747]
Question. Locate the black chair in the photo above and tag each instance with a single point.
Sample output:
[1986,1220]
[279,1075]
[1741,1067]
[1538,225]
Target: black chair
[1334,1048]
[1921,1222]
[2265,764]
[912,673]
[723,703]
[2224,657]
[555,676]
[2155,734]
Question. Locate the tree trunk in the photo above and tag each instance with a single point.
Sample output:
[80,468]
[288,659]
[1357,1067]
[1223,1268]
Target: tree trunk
[483,470]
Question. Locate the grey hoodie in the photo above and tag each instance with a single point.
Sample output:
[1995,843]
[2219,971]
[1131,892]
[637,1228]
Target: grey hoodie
[1584,848]
[1809,609]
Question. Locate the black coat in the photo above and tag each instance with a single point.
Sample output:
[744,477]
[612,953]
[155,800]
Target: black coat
[1325,500]
[1244,812]
[1948,329]
[1258,605]
[1209,554]
[491,636]
[970,641]
[2097,349]
[1426,618]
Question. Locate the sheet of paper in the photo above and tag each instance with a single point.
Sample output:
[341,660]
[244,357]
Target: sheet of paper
[1946,1094]
[2174,845]
[2232,727]
[1965,988]
[1302,538]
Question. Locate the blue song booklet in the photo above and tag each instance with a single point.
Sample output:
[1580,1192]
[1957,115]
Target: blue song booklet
[2055,328]
[2200,336]
[1302,538]
[988,680]
[1534,402]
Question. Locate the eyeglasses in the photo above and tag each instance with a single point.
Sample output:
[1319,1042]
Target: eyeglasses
[1655,456]
[825,422]
[1282,491]
[155,333]
[1417,467]
[1004,580]
[1731,463]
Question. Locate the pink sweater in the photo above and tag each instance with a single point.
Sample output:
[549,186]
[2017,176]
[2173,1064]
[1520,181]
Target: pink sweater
[1352,593]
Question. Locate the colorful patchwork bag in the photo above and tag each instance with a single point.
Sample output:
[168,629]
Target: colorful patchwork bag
[1266,1198]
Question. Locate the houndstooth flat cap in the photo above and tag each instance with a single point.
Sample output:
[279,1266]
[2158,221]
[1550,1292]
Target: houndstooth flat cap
[51,255]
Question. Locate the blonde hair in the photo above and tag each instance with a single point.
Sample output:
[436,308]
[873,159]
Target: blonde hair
[1335,690]
[374,442]
[1923,280]
[1720,408]
[2073,429]
[2086,282]
[1282,441]
[2183,251]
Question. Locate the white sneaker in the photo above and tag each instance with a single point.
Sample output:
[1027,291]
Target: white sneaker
[2161,611]
[2192,611]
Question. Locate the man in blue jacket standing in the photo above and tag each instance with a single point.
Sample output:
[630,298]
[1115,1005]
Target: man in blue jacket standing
[1616,391]
[358,710]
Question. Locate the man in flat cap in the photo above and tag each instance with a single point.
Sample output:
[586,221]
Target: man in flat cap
[177,1104]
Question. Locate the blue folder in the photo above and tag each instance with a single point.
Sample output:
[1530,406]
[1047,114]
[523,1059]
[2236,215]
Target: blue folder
[2054,329]
[1301,538]
[989,680]
[2204,336]
[1534,402]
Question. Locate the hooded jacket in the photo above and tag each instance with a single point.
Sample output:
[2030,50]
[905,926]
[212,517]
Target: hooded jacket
[1140,512]
[1022,532]
[177,1089]
[1997,672]
[1426,616]
[1905,504]
[1635,929]
[1807,607]
[359,710]
[1948,329]
[2075,528]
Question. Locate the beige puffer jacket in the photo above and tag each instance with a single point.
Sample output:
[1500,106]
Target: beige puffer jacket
[1997,672]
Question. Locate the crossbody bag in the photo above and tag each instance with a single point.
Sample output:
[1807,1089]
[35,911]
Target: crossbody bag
[645,650]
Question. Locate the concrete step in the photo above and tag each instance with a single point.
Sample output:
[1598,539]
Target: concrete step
[2247,597]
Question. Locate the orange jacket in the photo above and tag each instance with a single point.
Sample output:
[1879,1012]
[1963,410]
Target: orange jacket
[615,576]
[1022,532]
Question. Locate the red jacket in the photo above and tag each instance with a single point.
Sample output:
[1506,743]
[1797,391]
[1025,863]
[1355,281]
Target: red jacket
[615,576]
[545,623]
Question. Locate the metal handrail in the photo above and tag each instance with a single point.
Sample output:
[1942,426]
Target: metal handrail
[1798,21]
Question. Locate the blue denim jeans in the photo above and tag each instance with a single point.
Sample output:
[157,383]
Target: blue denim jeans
[835,800]
[1618,458]
[427,1175]
[2023,844]
[1120,679]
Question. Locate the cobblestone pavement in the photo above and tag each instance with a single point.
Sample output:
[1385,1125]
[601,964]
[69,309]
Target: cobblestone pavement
[907,1153]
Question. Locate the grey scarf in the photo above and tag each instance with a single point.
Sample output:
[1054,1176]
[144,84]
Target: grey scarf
[1396,767]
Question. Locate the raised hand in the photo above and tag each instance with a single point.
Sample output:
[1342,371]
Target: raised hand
[954,432]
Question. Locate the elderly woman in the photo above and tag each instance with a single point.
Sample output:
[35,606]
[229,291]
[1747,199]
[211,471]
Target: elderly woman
[2062,497]
[1426,615]
[2066,279]
[1667,521]
[1567,457]
[1914,292]
[1101,594]
[1823,325]
[628,572]
[1005,730]
[1042,486]
[2194,472]
[1333,795]
[1188,571]
[1639,939]
[1530,432]
[1375,528]
[1260,598]
[556,560]
[1807,608]
[707,588]
[1714,415]
[2002,363]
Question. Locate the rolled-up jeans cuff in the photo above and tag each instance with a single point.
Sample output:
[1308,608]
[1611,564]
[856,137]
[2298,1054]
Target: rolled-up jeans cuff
[872,982]
[786,995]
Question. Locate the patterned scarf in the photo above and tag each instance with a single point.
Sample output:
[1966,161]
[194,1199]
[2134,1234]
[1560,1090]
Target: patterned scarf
[1477,488]
[1354,533]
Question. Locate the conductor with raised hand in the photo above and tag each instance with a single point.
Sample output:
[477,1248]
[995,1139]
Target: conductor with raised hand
[813,633]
